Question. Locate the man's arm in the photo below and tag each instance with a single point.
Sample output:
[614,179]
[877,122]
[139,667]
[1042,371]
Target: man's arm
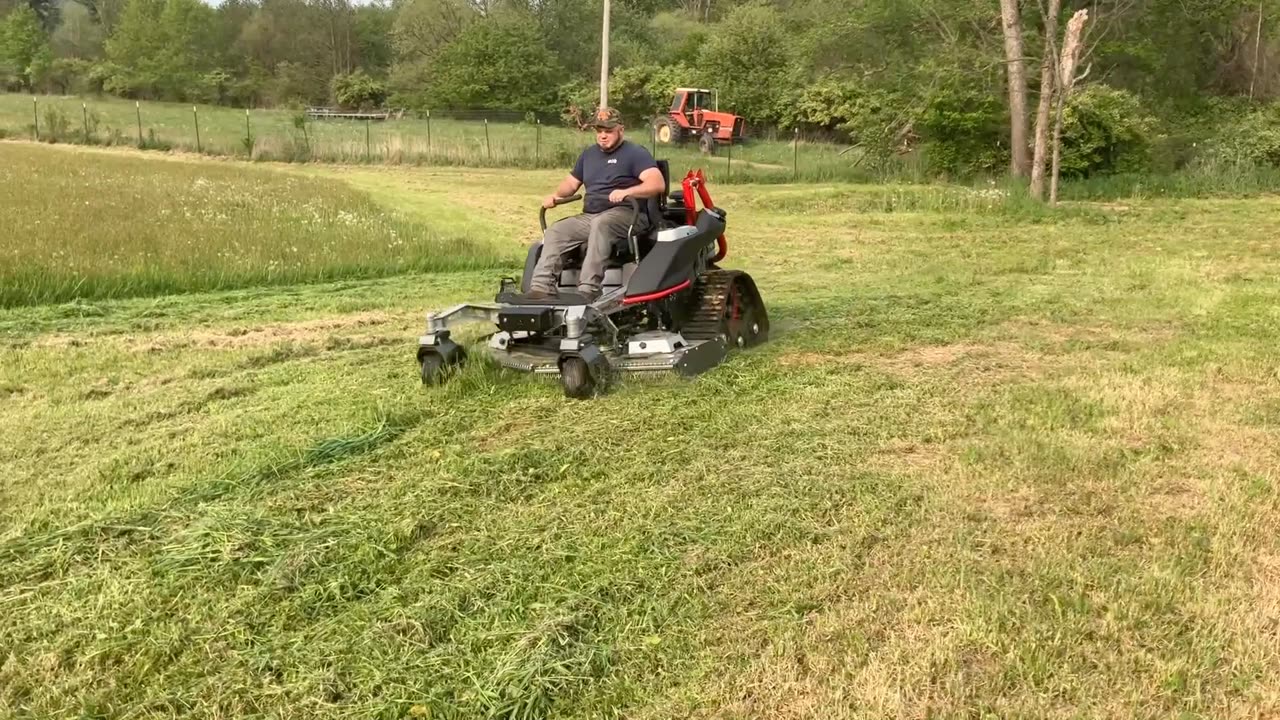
[568,186]
[651,185]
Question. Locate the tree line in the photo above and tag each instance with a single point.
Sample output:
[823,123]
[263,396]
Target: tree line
[964,83]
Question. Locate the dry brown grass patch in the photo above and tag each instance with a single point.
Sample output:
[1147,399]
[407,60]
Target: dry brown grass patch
[977,363]
[230,338]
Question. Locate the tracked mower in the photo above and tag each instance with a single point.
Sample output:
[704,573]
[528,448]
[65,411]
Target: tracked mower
[666,304]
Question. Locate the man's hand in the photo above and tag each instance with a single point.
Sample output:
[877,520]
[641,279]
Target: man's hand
[618,197]
[550,201]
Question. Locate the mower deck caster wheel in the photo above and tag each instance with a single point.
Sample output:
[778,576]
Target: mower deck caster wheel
[434,367]
[576,378]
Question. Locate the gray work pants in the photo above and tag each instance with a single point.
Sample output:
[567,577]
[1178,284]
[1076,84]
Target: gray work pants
[599,231]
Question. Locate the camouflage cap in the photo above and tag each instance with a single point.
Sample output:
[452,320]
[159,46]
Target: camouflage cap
[608,118]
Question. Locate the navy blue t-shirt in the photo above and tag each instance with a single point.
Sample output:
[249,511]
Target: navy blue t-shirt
[603,172]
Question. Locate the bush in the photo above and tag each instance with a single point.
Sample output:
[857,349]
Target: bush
[70,76]
[965,130]
[358,91]
[1250,139]
[1107,131]
[56,126]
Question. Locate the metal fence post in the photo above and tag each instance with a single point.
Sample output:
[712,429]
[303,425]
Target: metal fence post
[537,148]
[368,148]
[195,113]
[729,173]
[487,149]
[84,111]
[137,106]
[248,134]
[35,114]
[428,136]
[795,162]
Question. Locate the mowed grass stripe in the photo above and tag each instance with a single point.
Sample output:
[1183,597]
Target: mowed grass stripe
[94,225]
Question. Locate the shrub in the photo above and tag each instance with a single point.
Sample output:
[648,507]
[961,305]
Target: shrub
[70,76]
[1106,131]
[359,91]
[965,130]
[1252,138]
[55,126]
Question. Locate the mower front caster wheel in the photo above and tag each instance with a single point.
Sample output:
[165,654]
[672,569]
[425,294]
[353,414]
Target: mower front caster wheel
[576,378]
[435,368]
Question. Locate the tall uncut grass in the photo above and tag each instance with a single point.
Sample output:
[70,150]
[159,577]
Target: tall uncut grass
[93,226]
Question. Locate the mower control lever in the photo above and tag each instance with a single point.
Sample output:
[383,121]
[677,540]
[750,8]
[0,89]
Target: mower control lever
[542,212]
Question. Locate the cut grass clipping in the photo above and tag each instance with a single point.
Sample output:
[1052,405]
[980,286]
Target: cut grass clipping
[82,225]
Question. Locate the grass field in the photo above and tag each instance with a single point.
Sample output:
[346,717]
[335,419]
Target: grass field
[103,225]
[993,462]
[223,131]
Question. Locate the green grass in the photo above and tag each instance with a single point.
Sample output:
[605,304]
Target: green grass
[92,225]
[412,141]
[992,463]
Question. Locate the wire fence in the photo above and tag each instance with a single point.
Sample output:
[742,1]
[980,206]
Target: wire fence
[438,137]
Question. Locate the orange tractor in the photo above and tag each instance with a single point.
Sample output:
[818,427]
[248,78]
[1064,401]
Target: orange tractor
[695,114]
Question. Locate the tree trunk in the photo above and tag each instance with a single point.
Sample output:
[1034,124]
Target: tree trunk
[1016,66]
[1071,46]
[1047,87]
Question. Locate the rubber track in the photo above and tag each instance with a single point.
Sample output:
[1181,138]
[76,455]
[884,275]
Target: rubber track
[712,291]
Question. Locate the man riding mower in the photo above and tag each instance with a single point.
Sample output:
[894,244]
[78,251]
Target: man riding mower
[630,285]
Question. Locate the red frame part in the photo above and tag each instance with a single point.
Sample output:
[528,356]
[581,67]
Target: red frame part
[636,299]
[695,180]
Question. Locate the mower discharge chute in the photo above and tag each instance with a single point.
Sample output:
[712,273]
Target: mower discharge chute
[665,304]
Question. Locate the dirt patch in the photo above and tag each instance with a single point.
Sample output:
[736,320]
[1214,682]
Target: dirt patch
[910,457]
[509,430]
[979,362]
[1095,334]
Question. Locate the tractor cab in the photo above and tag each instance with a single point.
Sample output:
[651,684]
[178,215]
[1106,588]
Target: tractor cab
[689,101]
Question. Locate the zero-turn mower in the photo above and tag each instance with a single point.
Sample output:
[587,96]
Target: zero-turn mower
[666,304]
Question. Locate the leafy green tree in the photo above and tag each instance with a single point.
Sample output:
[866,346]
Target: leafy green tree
[373,24]
[78,35]
[496,64]
[24,49]
[749,61]
[161,48]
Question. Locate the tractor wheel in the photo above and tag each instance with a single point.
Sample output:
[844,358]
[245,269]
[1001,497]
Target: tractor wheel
[667,131]
[707,144]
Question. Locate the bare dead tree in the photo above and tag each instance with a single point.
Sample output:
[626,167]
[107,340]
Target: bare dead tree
[1066,77]
[1016,75]
[1048,64]
[1257,53]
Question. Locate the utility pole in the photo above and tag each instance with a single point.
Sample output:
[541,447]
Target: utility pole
[604,59]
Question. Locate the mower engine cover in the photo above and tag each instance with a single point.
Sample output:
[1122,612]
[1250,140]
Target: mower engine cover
[671,264]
